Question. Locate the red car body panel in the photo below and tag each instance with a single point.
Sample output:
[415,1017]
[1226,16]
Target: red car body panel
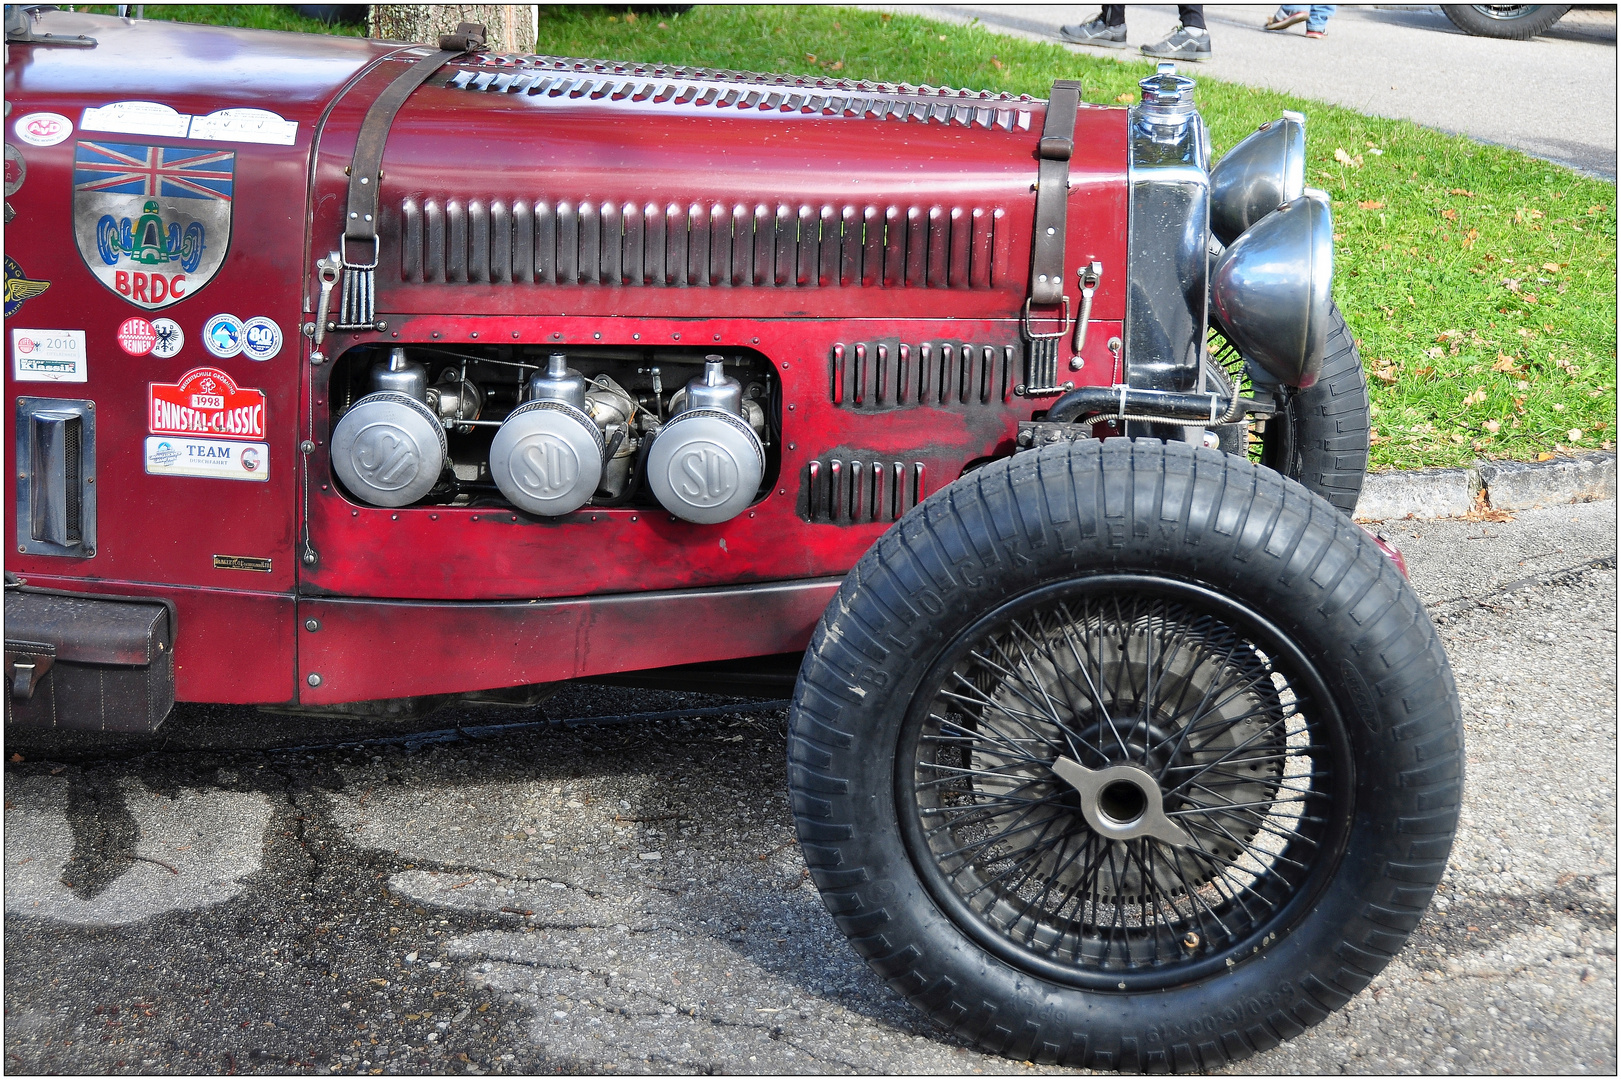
[621,588]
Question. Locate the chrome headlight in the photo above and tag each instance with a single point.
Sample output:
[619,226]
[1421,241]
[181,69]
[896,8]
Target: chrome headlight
[1271,289]
[1263,172]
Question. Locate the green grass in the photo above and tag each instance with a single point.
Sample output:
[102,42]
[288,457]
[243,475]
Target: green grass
[252,16]
[1479,282]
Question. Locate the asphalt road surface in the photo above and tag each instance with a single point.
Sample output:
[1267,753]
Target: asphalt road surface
[1553,97]
[495,890]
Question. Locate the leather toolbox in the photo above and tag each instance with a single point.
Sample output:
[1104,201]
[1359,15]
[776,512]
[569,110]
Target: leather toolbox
[87,663]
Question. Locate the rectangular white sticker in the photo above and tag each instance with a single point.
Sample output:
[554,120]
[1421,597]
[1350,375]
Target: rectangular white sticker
[137,118]
[244,125]
[167,455]
[48,356]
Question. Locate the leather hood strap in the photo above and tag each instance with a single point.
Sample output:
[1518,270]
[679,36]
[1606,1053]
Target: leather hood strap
[1053,152]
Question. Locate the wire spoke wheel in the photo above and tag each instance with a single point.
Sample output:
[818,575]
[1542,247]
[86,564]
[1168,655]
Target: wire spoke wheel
[1123,784]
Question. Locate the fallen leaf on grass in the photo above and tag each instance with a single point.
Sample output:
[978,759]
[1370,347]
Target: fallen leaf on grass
[1524,214]
[1126,99]
[1387,373]
[1574,434]
[1371,204]
[1450,214]
[1344,157]
[1476,397]
[1506,363]
[997,64]
[1552,268]
[1461,191]
[1492,426]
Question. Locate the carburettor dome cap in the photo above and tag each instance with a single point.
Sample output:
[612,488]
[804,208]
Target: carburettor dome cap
[547,457]
[1271,291]
[1265,170]
[389,449]
[705,466]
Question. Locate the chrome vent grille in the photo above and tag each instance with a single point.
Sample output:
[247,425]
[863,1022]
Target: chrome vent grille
[551,77]
[854,489]
[890,374]
[473,240]
[55,451]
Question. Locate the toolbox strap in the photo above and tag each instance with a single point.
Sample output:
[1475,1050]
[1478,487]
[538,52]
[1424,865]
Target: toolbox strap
[366,170]
[1052,193]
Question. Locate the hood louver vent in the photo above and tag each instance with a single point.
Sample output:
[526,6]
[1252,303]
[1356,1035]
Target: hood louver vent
[708,244]
[554,78]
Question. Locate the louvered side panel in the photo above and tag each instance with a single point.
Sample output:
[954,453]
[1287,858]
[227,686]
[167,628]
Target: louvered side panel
[888,374]
[857,489]
[760,245]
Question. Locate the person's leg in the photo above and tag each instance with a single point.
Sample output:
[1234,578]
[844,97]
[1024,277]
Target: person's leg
[1288,15]
[1108,30]
[1318,21]
[1189,41]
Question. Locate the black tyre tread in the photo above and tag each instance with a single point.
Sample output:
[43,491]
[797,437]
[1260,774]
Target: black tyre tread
[1470,21]
[1332,422]
[1123,505]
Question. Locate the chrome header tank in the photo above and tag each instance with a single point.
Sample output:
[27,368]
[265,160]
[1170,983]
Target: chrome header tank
[1168,237]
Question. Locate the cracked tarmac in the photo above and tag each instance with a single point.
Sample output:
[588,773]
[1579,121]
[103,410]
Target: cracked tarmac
[487,890]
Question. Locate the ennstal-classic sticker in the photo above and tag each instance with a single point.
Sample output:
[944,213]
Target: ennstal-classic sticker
[48,356]
[169,455]
[206,401]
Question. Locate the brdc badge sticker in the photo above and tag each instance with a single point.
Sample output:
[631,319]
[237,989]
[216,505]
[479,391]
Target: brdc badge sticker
[152,222]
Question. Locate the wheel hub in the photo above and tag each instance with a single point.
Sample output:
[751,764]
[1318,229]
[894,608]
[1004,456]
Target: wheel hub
[1121,802]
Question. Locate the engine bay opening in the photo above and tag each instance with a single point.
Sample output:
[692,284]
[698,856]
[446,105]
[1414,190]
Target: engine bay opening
[548,430]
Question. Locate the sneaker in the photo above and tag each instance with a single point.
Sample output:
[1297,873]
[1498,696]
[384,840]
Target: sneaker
[1315,33]
[1182,44]
[1284,20]
[1095,33]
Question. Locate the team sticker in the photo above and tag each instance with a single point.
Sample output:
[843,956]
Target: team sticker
[207,426]
[226,336]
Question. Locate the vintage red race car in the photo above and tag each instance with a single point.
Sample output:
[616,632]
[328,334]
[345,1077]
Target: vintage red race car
[347,373]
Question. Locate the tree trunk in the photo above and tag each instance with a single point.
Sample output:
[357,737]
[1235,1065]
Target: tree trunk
[511,27]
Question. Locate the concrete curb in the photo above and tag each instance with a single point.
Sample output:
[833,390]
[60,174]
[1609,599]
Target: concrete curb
[1508,485]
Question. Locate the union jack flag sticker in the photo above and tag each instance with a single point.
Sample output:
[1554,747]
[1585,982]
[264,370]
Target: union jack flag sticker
[152,223]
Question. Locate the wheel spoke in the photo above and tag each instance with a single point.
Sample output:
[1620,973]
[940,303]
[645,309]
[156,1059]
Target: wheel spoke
[1116,678]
